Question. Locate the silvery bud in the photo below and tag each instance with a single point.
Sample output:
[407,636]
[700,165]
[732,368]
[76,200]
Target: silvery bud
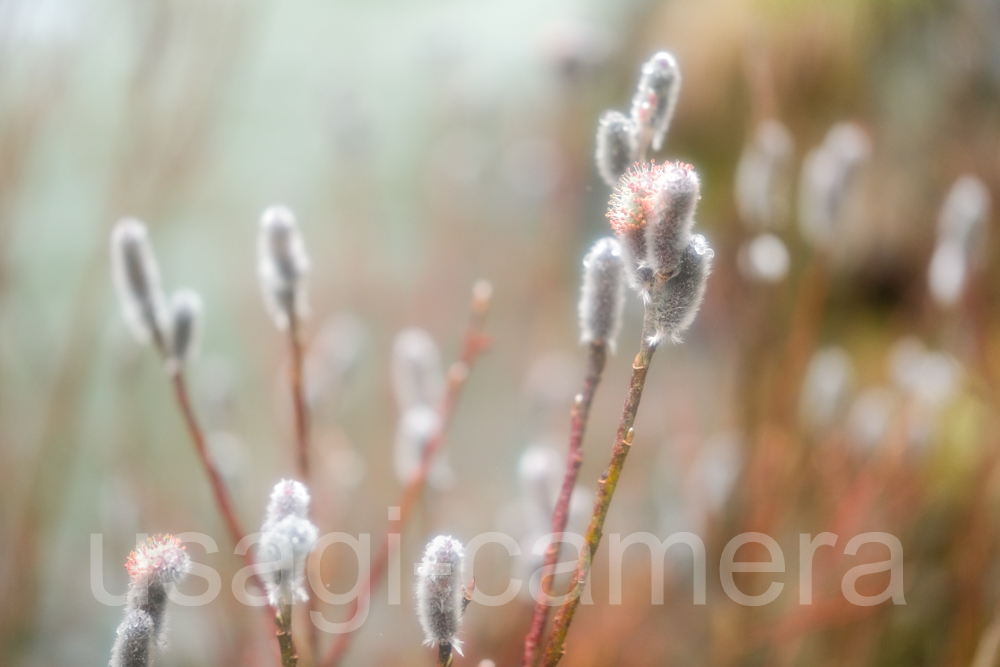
[655,99]
[825,182]
[439,592]
[134,641]
[676,301]
[417,378]
[669,229]
[762,175]
[287,538]
[417,427]
[961,236]
[602,296]
[185,325]
[137,281]
[616,148]
[282,265]
[154,568]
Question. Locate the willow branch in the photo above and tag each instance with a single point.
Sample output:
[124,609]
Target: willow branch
[560,517]
[555,647]
[295,378]
[283,622]
[222,498]
[475,341]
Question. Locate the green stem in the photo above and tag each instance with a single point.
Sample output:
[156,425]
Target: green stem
[605,491]
[283,621]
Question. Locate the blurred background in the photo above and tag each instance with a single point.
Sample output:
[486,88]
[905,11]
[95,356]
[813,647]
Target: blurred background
[836,384]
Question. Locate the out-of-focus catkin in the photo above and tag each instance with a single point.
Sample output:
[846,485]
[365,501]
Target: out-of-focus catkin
[185,325]
[602,295]
[137,281]
[287,538]
[282,266]
[655,99]
[616,148]
[439,591]
[825,182]
[417,378]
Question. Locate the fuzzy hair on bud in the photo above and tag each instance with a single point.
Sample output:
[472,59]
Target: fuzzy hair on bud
[653,205]
[762,175]
[137,281]
[439,591]
[134,641]
[417,378]
[655,99]
[287,538]
[154,568]
[825,182]
[185,325]
[282,265]
[616,148]
[669,227]
[602,296]
[676,301]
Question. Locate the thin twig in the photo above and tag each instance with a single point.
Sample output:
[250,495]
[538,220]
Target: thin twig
[555,647]
[283,621]
[597,357]
[222,499]
[473,344]
[295,377]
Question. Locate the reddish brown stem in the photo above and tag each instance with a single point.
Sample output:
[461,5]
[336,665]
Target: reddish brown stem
[473,344]
[555,647]
[295,378]
[222,499]
[560,517]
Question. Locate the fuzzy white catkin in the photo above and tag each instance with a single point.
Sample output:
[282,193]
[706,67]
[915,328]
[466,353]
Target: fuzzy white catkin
[675,302]
[761,175]
[764,259]
[655,99]
[961,236]
[616,147]
[417,378]
[439,591]
[185,325]
[825,181]
[154,567]
[417,426]
[137,280]
[287,538]
[602,295]
[668,230]
[133,641]
[826,387]
[282,266]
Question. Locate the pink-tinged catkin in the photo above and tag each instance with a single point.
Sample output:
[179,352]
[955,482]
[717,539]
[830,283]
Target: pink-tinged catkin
[282,266]
[653,202]
[185,325]
[287,538]
[137,281]
[655,99]
[675,302]
[439,592]
[602,295]
[154,568]
[616,146]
